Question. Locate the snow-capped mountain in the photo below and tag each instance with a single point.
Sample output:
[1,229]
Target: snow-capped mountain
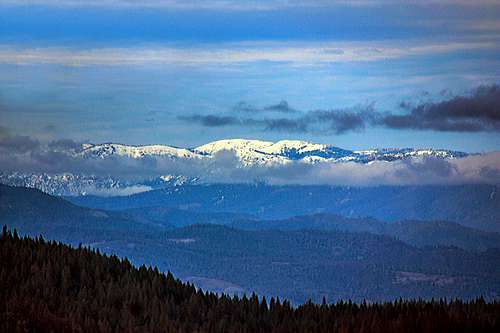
[252,152]
[249,153]
[69,184]
[109,149]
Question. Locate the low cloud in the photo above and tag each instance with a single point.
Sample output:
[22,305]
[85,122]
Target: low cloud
[281,107]
[337,121]
[212,120]
[27,155]
[117,191]
[415,171]
[4,132]
[245,107]
[341,121]
[65,145]
[285,125]
[478,111]
[17,143]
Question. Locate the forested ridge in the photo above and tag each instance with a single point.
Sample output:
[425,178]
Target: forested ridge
[311,257]
[475,206]
[51,287]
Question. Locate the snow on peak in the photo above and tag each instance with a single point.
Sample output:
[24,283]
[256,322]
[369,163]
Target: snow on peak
[248,151]
[108,149]
[264,152]
[284,146]
[237,145]
[257,152]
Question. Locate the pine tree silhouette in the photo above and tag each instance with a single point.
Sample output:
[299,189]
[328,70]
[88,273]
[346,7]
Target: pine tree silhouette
[51,287]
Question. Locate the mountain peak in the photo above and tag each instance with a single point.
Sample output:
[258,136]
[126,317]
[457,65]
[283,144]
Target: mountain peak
[108,149]
[251,152]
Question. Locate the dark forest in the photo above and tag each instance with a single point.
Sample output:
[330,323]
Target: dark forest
[51,287]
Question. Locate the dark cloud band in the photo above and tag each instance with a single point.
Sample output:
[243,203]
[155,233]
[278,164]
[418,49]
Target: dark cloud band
[477,112]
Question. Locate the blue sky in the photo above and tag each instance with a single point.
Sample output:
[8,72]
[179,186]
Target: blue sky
[174,72]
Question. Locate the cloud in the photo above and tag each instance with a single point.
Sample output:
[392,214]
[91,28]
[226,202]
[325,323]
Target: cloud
[244,114]
[17,143]
[341,121]
[212,120]
[285,125]
[244,107]
[319,121]
[65,145]
[281,107]
[322,121]
[27,155]
[4,132]
[415,171]
[117,191]
[226,54]
[477,112]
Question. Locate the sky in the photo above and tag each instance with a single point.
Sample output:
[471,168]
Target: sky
[355,74]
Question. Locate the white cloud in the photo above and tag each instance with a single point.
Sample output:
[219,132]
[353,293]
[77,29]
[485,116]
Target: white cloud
[415,171]
[236,53]
[117,191]
[26,155]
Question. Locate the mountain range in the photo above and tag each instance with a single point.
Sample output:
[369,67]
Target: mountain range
[475,206]
[247,153]
[300,258]
[251,152]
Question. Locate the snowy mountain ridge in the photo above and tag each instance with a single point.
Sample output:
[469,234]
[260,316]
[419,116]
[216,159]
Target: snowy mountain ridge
[251,152]
[248,152]
[108,149]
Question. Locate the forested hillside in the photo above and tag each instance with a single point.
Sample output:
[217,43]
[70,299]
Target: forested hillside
[340,259]
[415,232]
[50,287]
[475,206]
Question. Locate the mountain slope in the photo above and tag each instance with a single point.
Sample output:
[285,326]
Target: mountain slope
[414,232]
[40,213]
[295,264]
[118,169]
[252,152]
[475,206]
[109,149]
[50,287]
